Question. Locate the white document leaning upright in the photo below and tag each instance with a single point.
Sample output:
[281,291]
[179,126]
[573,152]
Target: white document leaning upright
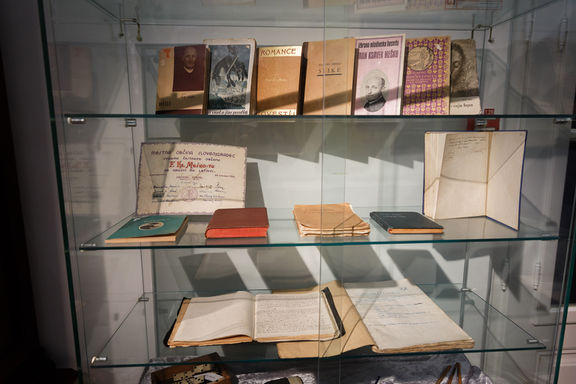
[474,174]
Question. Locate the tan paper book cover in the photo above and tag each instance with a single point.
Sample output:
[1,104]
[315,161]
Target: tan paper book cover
[279,80]
[182,81]
[329,80]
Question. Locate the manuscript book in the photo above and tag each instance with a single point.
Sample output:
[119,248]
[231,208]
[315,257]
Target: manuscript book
[242,317]
[393,316]
[474,173]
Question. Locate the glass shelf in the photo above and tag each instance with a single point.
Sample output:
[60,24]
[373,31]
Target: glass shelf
[312,13]
[490,329]
[284,233]
[79,118]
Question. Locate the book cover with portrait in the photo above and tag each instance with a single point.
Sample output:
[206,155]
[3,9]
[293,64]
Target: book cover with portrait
[379,75]
[231,85]
[464,84]
[182,81]
[427,79]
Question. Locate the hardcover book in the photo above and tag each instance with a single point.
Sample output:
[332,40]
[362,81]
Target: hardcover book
[393,316]
[231,85]
[379,75]
[473,173]
[238,222]
[163,228]
[279,80]
[405,222]
[329,79]
[190,178]
[242,317]
[464,86]
[427,80]
[182,81]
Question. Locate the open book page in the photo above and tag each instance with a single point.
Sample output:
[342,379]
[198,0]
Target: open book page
[205,319]
[355,333]
[402,318]
[434,145]
[462,183]
[284,316]
[505,177]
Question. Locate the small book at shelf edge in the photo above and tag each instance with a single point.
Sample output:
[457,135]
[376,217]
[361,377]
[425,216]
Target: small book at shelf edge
[155,228]
[416,324]
[242,317]
[406,222]
[238,222]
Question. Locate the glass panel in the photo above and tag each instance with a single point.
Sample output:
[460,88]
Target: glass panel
[475,316]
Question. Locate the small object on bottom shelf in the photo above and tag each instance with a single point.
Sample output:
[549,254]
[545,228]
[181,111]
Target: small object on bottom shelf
[201,370]
[286,380]
[406,222]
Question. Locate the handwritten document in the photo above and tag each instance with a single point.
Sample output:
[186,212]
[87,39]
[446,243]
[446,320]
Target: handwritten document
[243,317]
[190,178]
[398,315]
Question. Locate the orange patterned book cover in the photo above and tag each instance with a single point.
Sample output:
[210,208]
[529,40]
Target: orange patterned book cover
[427,82]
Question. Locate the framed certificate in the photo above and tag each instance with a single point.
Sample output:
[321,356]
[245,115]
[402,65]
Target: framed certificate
[190,178]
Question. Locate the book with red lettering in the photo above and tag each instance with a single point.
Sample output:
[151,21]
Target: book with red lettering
[379,75]
[238,222]
[427,82]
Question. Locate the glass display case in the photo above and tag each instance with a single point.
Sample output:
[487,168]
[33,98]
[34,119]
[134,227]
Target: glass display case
[506,288]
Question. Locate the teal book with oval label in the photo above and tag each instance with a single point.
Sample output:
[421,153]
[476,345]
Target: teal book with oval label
[150,228]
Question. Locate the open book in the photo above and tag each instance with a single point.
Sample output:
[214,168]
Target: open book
[390,317]
[474,174]
[241,317]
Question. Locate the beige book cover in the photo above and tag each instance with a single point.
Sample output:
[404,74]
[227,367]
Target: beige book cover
[279,80]
[329,80]
[329,220]
[182,80]
[469,174]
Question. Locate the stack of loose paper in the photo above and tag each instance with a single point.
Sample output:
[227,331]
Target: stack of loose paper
[329,220]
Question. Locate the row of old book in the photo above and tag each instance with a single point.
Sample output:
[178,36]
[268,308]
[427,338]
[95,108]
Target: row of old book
[384,75]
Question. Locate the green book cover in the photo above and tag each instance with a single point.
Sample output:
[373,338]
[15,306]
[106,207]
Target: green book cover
[150,228]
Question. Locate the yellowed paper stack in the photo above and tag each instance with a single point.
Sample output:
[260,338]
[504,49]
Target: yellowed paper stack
[329,220]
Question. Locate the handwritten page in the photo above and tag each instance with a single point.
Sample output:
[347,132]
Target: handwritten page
[208,318]
[288,316]
[399,315]
[190,178]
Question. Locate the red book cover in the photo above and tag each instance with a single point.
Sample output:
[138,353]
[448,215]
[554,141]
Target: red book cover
[427,83]
[238,222]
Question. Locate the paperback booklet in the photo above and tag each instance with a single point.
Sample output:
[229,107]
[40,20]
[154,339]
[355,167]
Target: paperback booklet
[329,79]
[427,82]
[329,220]
[405,222]
[379,75]
[238,222]
[231,82]
[190,178]
[182,80]
[279,80]
[242,317]
[473,173]
[464,86]
[390,317]
[156,228]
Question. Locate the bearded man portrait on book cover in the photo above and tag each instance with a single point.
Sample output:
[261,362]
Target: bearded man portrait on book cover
[188,76]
